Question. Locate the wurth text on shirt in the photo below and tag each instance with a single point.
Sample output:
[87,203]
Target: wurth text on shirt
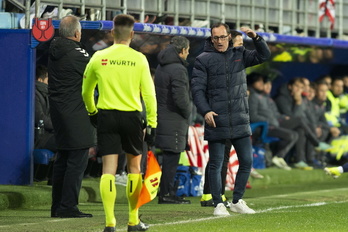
[118,62]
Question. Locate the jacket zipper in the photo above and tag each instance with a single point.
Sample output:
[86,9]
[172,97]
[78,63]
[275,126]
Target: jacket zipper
[228,94]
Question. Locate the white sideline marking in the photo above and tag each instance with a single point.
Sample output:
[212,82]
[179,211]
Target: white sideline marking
[257,211]
[217,217]
[34,223]
[302,193]
[299,206]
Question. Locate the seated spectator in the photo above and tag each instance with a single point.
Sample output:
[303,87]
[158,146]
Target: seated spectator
[262,109]
[317,118]
[306,87]
[325,78]
[345,83]
[343,98]
[344,101]
[320,102]
[290,103]
[45,139]
[333,106]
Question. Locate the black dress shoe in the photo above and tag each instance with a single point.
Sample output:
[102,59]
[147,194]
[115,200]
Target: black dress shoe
[172,200]
[54,211]
[54,214]
[140,227]
[208,203]
[72,213]
[109,229]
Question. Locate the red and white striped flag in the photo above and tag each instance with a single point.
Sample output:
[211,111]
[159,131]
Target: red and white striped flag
[327,8]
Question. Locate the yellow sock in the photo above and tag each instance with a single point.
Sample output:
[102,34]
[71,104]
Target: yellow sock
[108,195]
[134,184]
[206,197]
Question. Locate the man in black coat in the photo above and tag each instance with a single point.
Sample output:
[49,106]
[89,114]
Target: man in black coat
[220,93]
[73,130]
[174,110]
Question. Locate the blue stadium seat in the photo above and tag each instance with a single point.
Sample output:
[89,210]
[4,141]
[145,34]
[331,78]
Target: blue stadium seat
[5,20]
[264,131]
[42,164]
[42,156]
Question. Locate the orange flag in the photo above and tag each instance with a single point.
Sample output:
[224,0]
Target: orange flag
[151,180]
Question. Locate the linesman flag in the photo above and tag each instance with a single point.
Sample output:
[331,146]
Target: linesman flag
[327,8]
[151,180]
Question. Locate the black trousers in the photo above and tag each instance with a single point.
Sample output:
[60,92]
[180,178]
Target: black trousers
[68,171]
[305,131]
[169,165]
[287,137]
[206,187]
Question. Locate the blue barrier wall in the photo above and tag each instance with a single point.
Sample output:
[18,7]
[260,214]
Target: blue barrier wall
[17,105]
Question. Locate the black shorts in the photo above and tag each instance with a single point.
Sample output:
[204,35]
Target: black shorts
[120,131]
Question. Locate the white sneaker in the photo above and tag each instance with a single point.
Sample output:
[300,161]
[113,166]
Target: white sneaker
[220,210]
[255,174]
[280,163]
[241,207]
[276,162]
[284,163]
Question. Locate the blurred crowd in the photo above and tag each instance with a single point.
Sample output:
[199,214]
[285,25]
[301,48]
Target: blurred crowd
[315,110]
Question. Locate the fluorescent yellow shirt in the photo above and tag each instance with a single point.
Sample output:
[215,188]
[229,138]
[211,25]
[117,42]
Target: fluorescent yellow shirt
[123,77]
[283,57]
[343,103]
[334,114]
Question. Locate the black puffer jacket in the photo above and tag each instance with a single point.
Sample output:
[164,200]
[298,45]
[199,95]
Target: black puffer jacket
[219,85]
[173,101]
[66,64]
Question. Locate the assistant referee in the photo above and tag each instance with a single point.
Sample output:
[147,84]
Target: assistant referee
[123,78]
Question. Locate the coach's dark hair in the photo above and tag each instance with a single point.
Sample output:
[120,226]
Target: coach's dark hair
[180,42]
[215,25]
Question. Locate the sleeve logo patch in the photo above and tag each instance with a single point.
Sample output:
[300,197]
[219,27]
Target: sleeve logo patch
[83,51]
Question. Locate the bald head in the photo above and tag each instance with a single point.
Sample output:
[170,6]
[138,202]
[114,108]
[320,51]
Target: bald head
[70,28]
